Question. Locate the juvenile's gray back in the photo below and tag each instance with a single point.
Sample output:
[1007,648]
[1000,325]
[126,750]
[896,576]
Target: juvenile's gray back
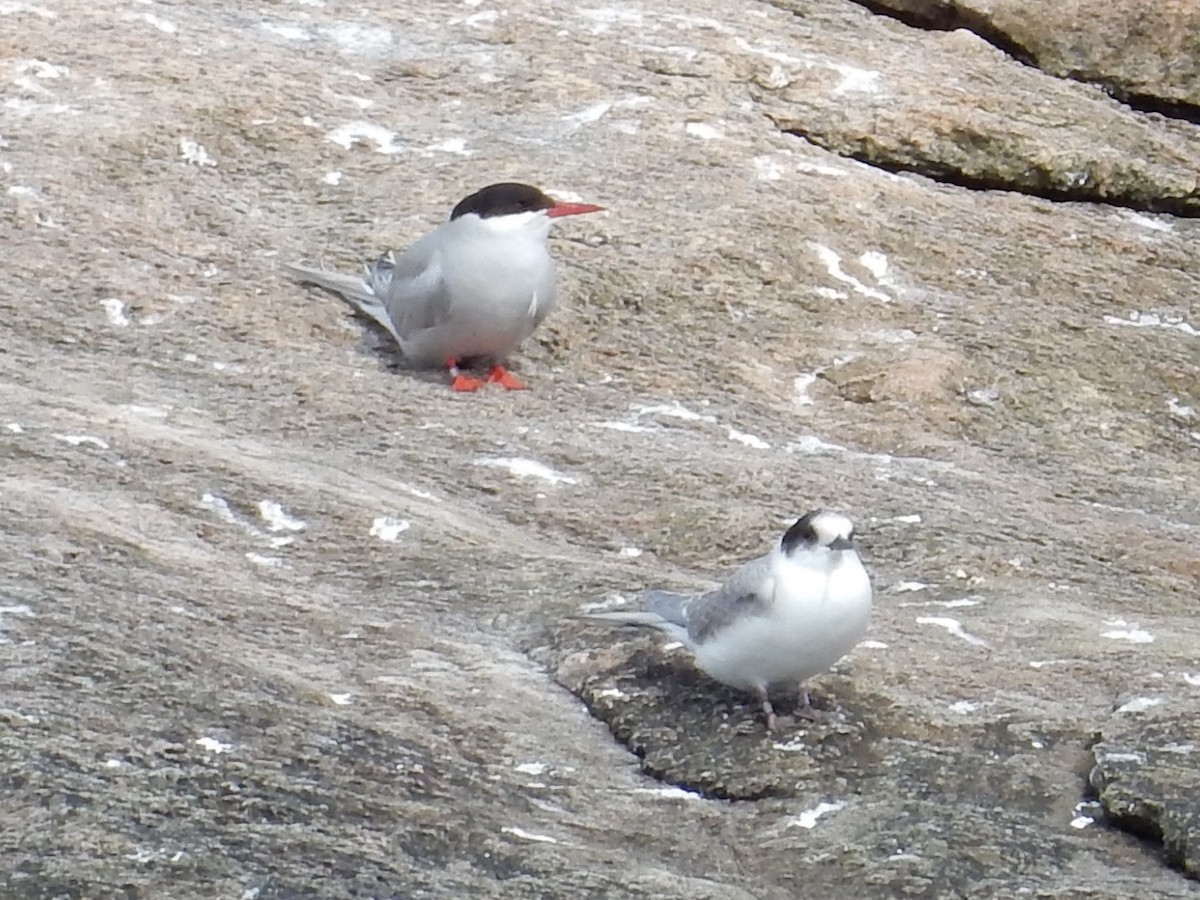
[668,605]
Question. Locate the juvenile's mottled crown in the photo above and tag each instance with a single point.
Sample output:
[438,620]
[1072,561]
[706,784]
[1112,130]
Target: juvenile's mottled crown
[819,528]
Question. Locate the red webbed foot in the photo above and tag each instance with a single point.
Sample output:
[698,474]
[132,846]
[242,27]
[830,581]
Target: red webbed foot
[460,382]
[506,379]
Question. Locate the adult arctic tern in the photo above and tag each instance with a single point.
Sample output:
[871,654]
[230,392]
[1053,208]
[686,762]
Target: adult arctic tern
[472,289]
[781,618]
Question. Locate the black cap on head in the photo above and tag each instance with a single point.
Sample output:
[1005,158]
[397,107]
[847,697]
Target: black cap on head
[501,200]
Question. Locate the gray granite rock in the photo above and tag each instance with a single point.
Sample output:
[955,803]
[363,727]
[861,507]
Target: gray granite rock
[1146,778]
[960,111]
[1145,54]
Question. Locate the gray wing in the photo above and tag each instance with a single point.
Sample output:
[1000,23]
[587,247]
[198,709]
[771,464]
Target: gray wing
[413,289]
[747,592]
[668,606]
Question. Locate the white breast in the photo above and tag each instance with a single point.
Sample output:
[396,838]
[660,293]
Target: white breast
[817,615]
[495,283]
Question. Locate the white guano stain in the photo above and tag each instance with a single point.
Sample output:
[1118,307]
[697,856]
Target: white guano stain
[528,835]
[749,440]
[1179,410]
[628,427]
[12,9]
[673,410]
[455,145]
[277,518]
[669,793]
[1139,704]
[703,131]
[194,153]
[114,309]
[388,528]
[166,26]
[362,132]
[526,468]
[833,265]
[876,263]
[1137,319]
[286,30]
[809,168]
[1120,630]
[76,440]
[954,627]
[800,385]
[768,168]
[1147,222]
[358,40]
[808,818]
[855,80]
[588,115]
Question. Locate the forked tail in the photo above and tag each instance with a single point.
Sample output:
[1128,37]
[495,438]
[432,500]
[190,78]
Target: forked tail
[641,619]
[355,291]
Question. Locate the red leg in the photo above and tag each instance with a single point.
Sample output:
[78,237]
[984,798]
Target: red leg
[459,381]
[505,379]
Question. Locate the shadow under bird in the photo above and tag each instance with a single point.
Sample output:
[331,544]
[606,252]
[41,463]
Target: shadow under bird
[779,619]
[471,290]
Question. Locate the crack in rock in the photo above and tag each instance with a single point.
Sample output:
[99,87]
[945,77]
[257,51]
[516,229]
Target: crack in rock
[1145,777]
[950,15]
